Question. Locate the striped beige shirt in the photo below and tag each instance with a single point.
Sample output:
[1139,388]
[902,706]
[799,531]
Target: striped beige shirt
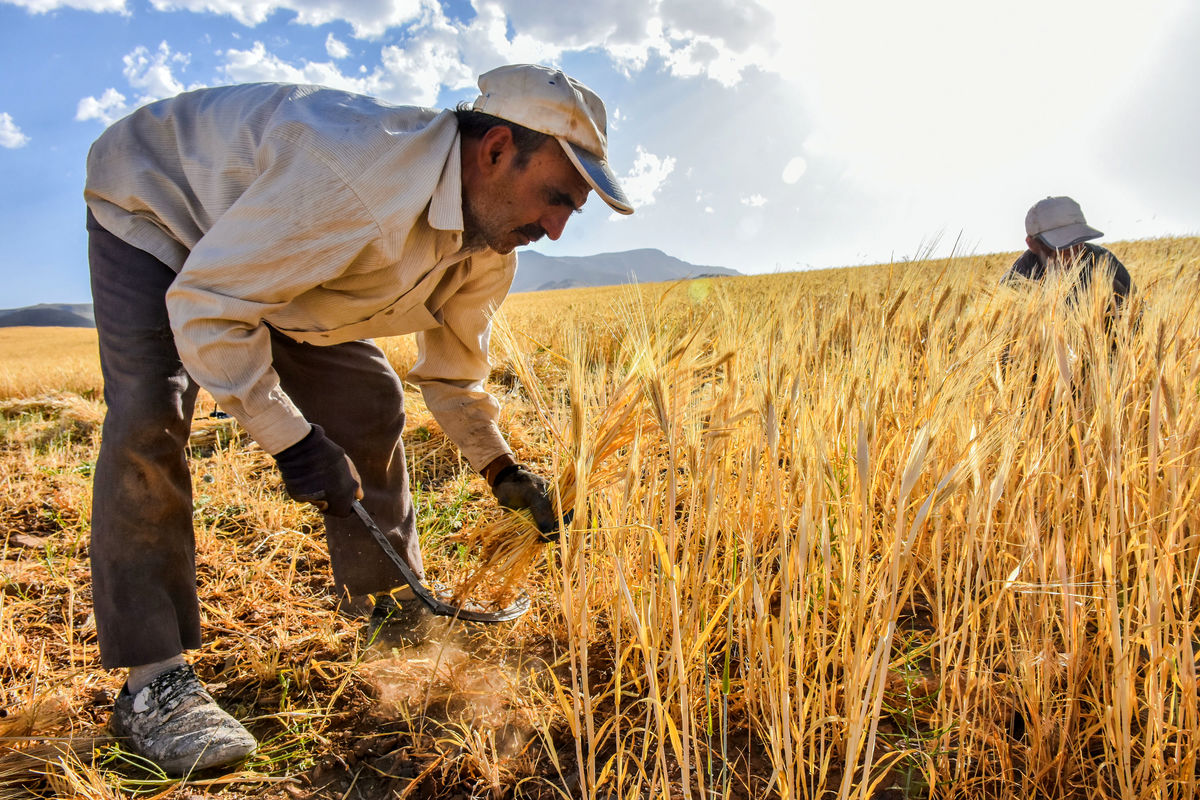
[326,215]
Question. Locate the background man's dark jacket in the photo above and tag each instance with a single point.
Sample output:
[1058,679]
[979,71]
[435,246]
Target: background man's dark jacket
[1031,267]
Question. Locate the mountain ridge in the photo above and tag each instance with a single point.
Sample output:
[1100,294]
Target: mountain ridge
[538,272]
[535,272]
[49,315]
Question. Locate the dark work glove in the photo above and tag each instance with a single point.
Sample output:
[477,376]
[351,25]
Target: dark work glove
[516,487]
[317,471]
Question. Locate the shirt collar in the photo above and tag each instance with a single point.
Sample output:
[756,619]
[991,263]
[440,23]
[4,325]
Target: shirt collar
[445,206]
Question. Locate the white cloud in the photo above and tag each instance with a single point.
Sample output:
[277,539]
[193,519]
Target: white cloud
[484,43]
[369,18]
[108,108]
[257,64]
[710,57]
[794,170]
[738,24]
[336,48]
[717,39]
[43,6]
[430,52]
[419,70]
[405,76]
[646,177]
[434,53]
[605,20]
[412,75]
[10,135]
[754,201]
[149,72]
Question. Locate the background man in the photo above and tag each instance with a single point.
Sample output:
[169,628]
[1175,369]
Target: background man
[1058,238]
[247,239]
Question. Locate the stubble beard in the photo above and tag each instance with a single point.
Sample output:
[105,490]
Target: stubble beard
[473,235]
[479,227]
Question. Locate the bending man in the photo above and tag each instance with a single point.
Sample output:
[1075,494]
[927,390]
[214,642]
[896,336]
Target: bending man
[248,239]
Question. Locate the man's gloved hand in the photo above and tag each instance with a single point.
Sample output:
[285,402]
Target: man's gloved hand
[516,487]
[317,471]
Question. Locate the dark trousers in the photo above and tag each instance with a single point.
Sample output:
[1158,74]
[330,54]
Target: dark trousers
[142,545]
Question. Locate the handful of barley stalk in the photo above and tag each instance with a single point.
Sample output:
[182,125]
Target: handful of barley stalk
[510,545]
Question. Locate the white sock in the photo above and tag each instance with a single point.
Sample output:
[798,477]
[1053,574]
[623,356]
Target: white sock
[139,677]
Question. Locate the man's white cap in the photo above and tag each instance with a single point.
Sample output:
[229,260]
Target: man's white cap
[1059,222]
[547,101]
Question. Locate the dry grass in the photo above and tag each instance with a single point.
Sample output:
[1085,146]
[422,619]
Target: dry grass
[885,532]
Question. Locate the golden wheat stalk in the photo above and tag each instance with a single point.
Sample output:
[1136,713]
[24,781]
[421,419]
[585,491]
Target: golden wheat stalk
[509,546]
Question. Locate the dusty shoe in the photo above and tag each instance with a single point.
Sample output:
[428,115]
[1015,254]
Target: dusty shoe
[176,724]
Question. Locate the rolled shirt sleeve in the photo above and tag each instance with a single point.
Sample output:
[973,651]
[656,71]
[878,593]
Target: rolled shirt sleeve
[453,365]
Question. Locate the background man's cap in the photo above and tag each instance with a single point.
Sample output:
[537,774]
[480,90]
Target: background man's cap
[547,101]
[1060,223]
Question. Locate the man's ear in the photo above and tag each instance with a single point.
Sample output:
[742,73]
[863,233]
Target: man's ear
[495,148]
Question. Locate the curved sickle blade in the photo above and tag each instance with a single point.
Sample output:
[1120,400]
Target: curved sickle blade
[519,607]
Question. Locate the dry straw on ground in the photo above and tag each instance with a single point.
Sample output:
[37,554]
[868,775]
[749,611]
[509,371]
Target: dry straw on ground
[889,532]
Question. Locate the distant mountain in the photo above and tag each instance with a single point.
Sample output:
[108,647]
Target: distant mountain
[49,315]
[536,272]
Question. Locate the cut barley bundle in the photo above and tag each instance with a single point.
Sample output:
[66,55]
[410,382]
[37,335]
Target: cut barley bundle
[510,545]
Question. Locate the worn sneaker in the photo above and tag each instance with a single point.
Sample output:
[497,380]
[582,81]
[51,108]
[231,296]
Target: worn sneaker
[174,722]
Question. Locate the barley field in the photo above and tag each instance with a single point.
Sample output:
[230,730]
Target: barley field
[882,532]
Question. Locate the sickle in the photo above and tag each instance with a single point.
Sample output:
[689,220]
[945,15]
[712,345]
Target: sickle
[519,607]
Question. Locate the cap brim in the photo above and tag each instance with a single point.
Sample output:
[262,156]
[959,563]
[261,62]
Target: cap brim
[1069,235]
[598,175]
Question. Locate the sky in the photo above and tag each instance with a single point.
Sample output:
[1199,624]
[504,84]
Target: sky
[762,135]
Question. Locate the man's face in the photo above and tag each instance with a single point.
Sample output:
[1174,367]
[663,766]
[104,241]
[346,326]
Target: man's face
[518,204]
[1065,256]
